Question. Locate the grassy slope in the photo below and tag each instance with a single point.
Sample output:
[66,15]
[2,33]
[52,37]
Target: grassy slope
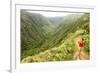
[60,46]
[64,52]
[35,30]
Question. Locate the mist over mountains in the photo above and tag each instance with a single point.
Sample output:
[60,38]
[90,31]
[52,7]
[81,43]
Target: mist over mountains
[40,33]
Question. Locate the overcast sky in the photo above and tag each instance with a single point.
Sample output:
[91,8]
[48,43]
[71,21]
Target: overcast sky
[52,14]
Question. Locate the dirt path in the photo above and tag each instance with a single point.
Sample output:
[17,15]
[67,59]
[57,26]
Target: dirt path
[80,55]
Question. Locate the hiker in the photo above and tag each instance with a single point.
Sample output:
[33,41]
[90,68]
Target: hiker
[81,43]
[81,46]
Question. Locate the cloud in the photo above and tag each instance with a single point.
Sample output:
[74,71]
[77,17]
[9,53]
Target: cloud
[52,14]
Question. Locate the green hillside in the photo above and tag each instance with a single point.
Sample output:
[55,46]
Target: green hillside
[64,52]
[35,29]
[42,40]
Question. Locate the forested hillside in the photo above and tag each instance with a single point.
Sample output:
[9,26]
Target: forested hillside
[35,30]
[52,39]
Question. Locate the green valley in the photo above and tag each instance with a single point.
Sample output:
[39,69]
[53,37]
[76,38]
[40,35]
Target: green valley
[53,38]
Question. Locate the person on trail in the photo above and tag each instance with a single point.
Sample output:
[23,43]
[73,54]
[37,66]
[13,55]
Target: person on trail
[81,44]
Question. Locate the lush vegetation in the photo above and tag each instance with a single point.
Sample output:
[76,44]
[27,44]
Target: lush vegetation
[52,39]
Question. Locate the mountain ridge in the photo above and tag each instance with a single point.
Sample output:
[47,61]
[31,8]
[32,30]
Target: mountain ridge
[39,34]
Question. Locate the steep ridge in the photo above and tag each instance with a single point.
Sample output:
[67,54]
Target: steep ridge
[35,29]
[38,33]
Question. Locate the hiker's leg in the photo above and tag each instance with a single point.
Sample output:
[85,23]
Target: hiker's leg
[75,55]
[80,53]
